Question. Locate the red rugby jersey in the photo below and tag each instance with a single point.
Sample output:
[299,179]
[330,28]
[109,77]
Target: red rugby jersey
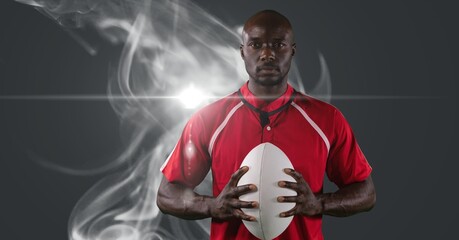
[313,134]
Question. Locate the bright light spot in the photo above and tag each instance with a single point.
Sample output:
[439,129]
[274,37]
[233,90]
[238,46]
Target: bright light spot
[190,150]
[191,97]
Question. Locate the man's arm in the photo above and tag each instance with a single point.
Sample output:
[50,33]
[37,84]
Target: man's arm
[351,199]
[181,201]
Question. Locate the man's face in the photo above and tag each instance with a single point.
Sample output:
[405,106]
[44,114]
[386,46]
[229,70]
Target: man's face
[267,51]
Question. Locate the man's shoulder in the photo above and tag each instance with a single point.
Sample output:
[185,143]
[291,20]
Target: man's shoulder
[219,108]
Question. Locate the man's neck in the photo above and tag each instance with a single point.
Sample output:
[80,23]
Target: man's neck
[268,93]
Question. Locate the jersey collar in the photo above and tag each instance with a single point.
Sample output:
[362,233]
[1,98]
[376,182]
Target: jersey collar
[263,104]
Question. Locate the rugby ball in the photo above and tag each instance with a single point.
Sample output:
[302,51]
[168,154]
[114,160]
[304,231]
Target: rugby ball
[266,163]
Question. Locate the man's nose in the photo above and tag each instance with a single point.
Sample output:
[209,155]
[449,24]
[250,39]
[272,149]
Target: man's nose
[267,54]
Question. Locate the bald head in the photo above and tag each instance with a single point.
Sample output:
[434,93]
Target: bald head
[267,50]
[270,19]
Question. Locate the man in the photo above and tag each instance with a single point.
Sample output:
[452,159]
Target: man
[313,134]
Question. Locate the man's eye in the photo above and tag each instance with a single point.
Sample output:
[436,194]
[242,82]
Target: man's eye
[255,45]
[278,45]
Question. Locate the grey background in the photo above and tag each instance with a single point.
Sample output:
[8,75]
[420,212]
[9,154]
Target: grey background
[375,48]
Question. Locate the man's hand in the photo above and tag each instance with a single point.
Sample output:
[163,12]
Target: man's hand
[306,202]
[227,205]
[348,200]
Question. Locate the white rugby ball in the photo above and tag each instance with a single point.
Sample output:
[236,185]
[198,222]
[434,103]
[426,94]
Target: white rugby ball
[266,164]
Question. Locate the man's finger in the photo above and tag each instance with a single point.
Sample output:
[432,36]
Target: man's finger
[244,204]
[288,199]
[241,190]
[239,214]
[296,175]
[291,185]
[237,175]
[289,213]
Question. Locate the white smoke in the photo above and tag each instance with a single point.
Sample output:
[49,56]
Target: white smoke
[167,47]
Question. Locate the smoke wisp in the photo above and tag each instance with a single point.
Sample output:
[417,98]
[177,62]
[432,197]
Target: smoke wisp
[168,46]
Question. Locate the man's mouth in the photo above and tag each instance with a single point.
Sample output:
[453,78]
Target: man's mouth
[267,68]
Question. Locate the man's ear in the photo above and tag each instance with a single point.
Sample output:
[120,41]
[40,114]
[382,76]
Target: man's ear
[293,49]
[242,51]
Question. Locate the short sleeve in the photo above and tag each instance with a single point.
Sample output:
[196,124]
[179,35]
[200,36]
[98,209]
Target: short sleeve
[346,163]
[189,162]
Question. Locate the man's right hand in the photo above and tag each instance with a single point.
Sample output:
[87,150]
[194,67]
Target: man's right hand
[227,205]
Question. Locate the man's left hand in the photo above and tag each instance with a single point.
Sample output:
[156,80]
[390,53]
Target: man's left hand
[307,203]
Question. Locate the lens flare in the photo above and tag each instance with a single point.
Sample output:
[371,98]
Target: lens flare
[191,97]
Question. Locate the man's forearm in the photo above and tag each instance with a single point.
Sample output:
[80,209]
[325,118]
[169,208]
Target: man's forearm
[349,200]
[183,202]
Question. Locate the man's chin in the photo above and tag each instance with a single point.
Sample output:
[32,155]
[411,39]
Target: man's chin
[264,81]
